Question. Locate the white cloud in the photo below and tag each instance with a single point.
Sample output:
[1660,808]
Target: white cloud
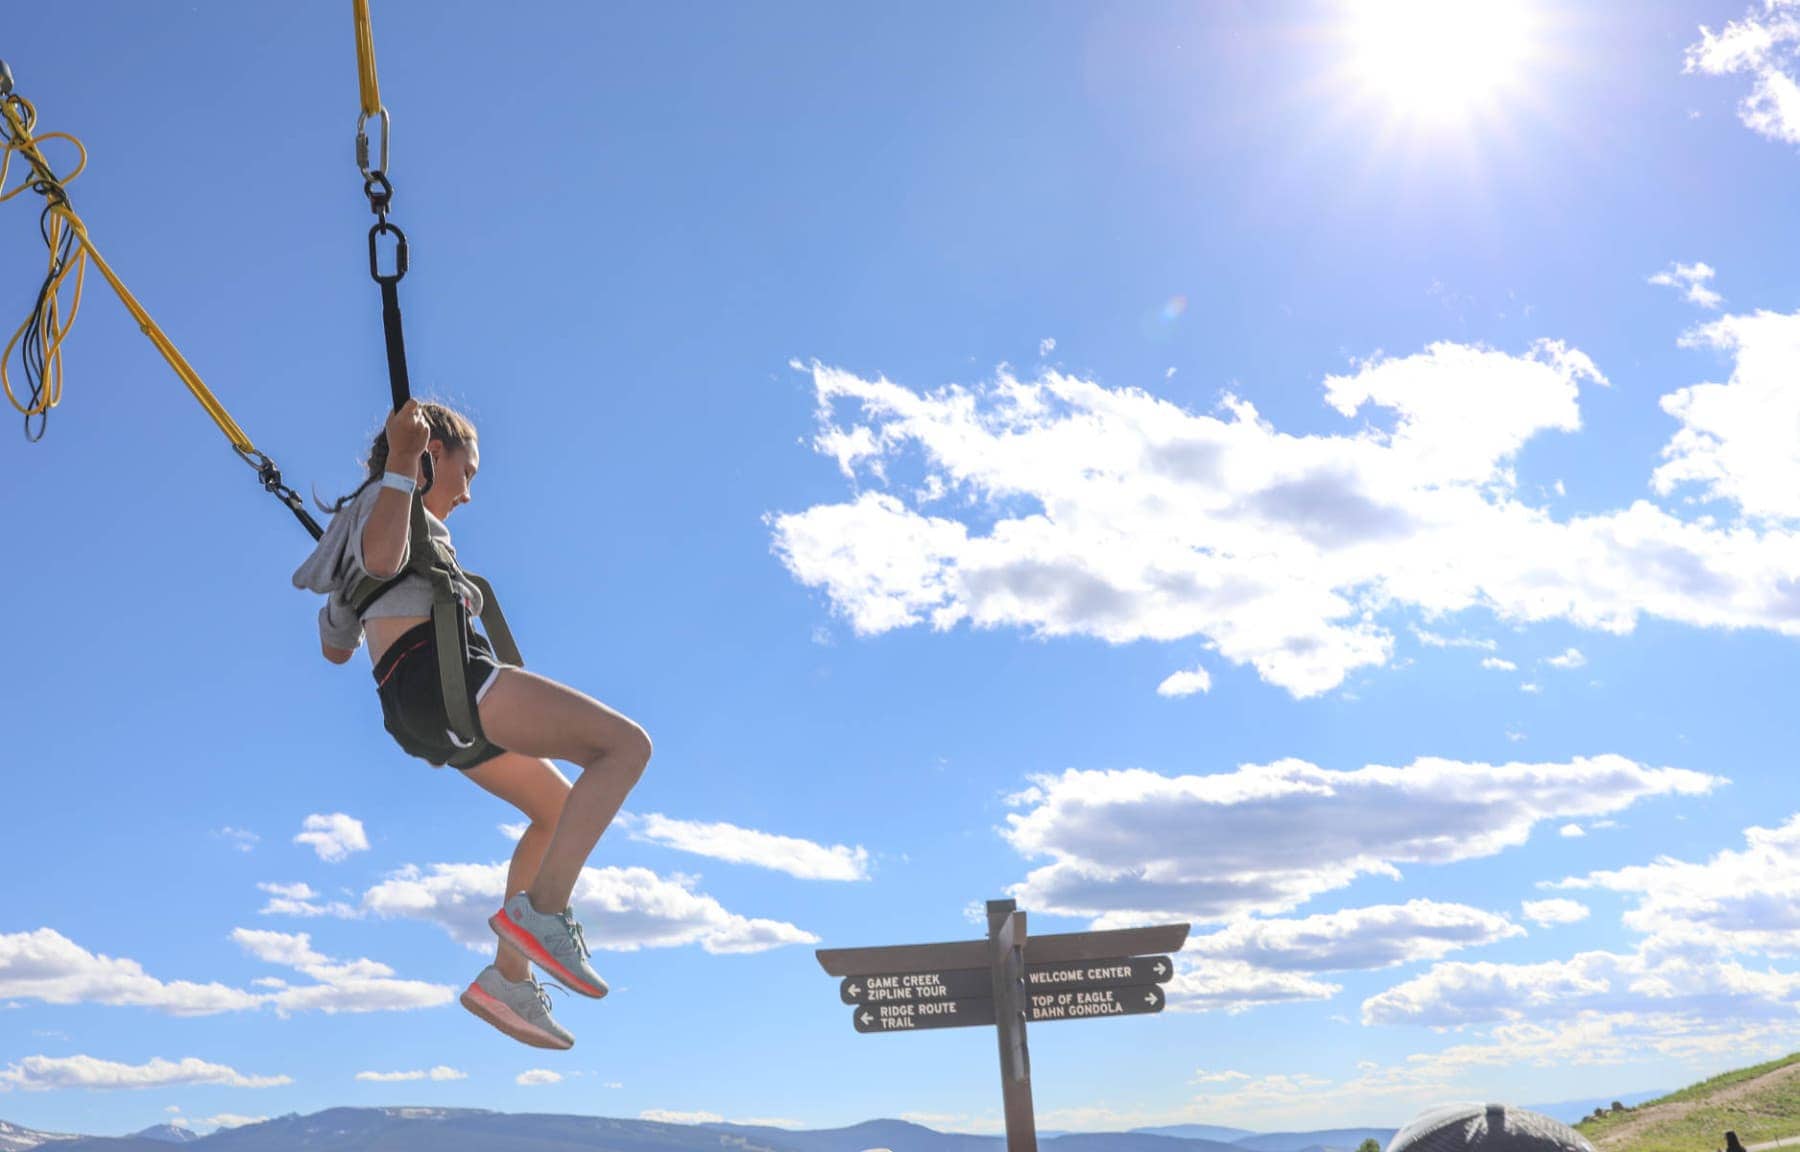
[1569,659]
[1433,640]
[441,1072]
[341,986]
[1046,346]
[301,900]
[1380,936]
[1186,683]
[232,1120]
[240,838]
[1233,986]
[621,909]
[1547,913]
[667,1116]
[1455,993]
[46,965]
[1496,664]
[1761,45]
[801,858]
[1692,279]
[1695,920]
[1124,517]
[1736,444]
[536,1076]
[1739,902]
[1202,1076]
[1115,514]
[49,1073]
[514,831]
[1571,831]
[333,836]
[1531,688]
[1134,846]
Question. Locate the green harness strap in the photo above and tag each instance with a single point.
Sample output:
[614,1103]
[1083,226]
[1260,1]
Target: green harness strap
[450,623]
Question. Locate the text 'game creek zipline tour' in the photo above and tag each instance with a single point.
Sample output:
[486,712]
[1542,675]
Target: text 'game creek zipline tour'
[464,700]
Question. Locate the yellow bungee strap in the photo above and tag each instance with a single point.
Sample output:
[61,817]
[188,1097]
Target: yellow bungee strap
[45,331]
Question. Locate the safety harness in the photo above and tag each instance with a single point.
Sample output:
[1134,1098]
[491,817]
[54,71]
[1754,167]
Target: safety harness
[450,628]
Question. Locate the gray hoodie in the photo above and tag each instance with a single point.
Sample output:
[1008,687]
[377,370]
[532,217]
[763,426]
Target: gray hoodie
[336,565]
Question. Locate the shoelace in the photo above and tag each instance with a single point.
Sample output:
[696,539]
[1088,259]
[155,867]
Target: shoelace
[543,992]
[574,930]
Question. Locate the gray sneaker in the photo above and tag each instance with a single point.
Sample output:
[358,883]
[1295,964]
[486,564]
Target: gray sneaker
[552,941]
[520,1010]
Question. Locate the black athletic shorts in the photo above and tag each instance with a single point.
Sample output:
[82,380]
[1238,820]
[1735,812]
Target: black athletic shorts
[412,693]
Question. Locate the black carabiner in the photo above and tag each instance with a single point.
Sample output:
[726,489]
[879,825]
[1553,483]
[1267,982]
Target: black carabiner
[376,231]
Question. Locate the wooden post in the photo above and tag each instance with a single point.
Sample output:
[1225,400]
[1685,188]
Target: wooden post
[1006,936]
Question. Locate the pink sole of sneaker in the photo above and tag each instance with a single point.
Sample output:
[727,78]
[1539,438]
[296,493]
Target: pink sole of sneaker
[526,945]
[477,1000]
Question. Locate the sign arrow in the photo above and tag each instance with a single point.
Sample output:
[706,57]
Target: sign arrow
[1085,1004]
[1123,972]
[970,1013]
[917,987]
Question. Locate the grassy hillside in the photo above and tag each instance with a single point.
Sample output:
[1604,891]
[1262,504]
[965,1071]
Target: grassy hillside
[1759,1103]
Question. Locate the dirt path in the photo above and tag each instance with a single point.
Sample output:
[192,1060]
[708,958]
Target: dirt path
[1645,1118]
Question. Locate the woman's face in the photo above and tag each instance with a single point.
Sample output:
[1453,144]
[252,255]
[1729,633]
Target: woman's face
[454,469]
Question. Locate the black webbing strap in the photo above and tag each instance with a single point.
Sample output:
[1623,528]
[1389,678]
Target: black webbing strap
[493,622]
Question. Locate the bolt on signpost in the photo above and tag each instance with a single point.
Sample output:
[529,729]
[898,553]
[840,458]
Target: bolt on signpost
[1005,981]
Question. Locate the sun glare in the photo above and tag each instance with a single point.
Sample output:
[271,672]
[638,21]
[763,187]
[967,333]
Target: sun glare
[1440,62]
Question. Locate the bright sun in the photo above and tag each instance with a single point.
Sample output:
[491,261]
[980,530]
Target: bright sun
[1440,62]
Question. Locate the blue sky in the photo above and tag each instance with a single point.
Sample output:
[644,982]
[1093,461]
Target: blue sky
[888,409]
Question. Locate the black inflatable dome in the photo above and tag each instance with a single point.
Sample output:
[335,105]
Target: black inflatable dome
[1489,1128]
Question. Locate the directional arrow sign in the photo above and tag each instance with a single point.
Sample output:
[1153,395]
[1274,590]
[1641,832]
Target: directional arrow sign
[1099,973]
[918,987]
[1084,1004]
[929,1014]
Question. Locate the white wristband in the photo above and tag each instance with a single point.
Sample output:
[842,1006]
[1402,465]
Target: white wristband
[398,482]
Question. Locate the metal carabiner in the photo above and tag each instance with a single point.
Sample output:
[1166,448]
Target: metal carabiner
[6,80]
[375,233]
[362,141]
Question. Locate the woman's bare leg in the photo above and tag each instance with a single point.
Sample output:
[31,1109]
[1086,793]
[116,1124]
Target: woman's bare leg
[537,789]
[533,716]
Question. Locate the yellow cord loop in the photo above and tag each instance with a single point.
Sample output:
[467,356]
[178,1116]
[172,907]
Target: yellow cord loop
[46,328]
[47,325]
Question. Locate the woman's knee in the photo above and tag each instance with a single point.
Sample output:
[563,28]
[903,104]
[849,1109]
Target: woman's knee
[633,749]
[623,747]
[546,810]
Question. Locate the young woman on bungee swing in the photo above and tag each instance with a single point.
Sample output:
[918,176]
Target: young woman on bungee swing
[385,575]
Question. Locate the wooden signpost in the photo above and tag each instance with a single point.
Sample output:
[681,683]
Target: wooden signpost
[1003,982]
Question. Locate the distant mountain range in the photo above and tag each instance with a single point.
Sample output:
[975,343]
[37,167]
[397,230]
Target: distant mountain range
[403,1129]
[474,1130]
